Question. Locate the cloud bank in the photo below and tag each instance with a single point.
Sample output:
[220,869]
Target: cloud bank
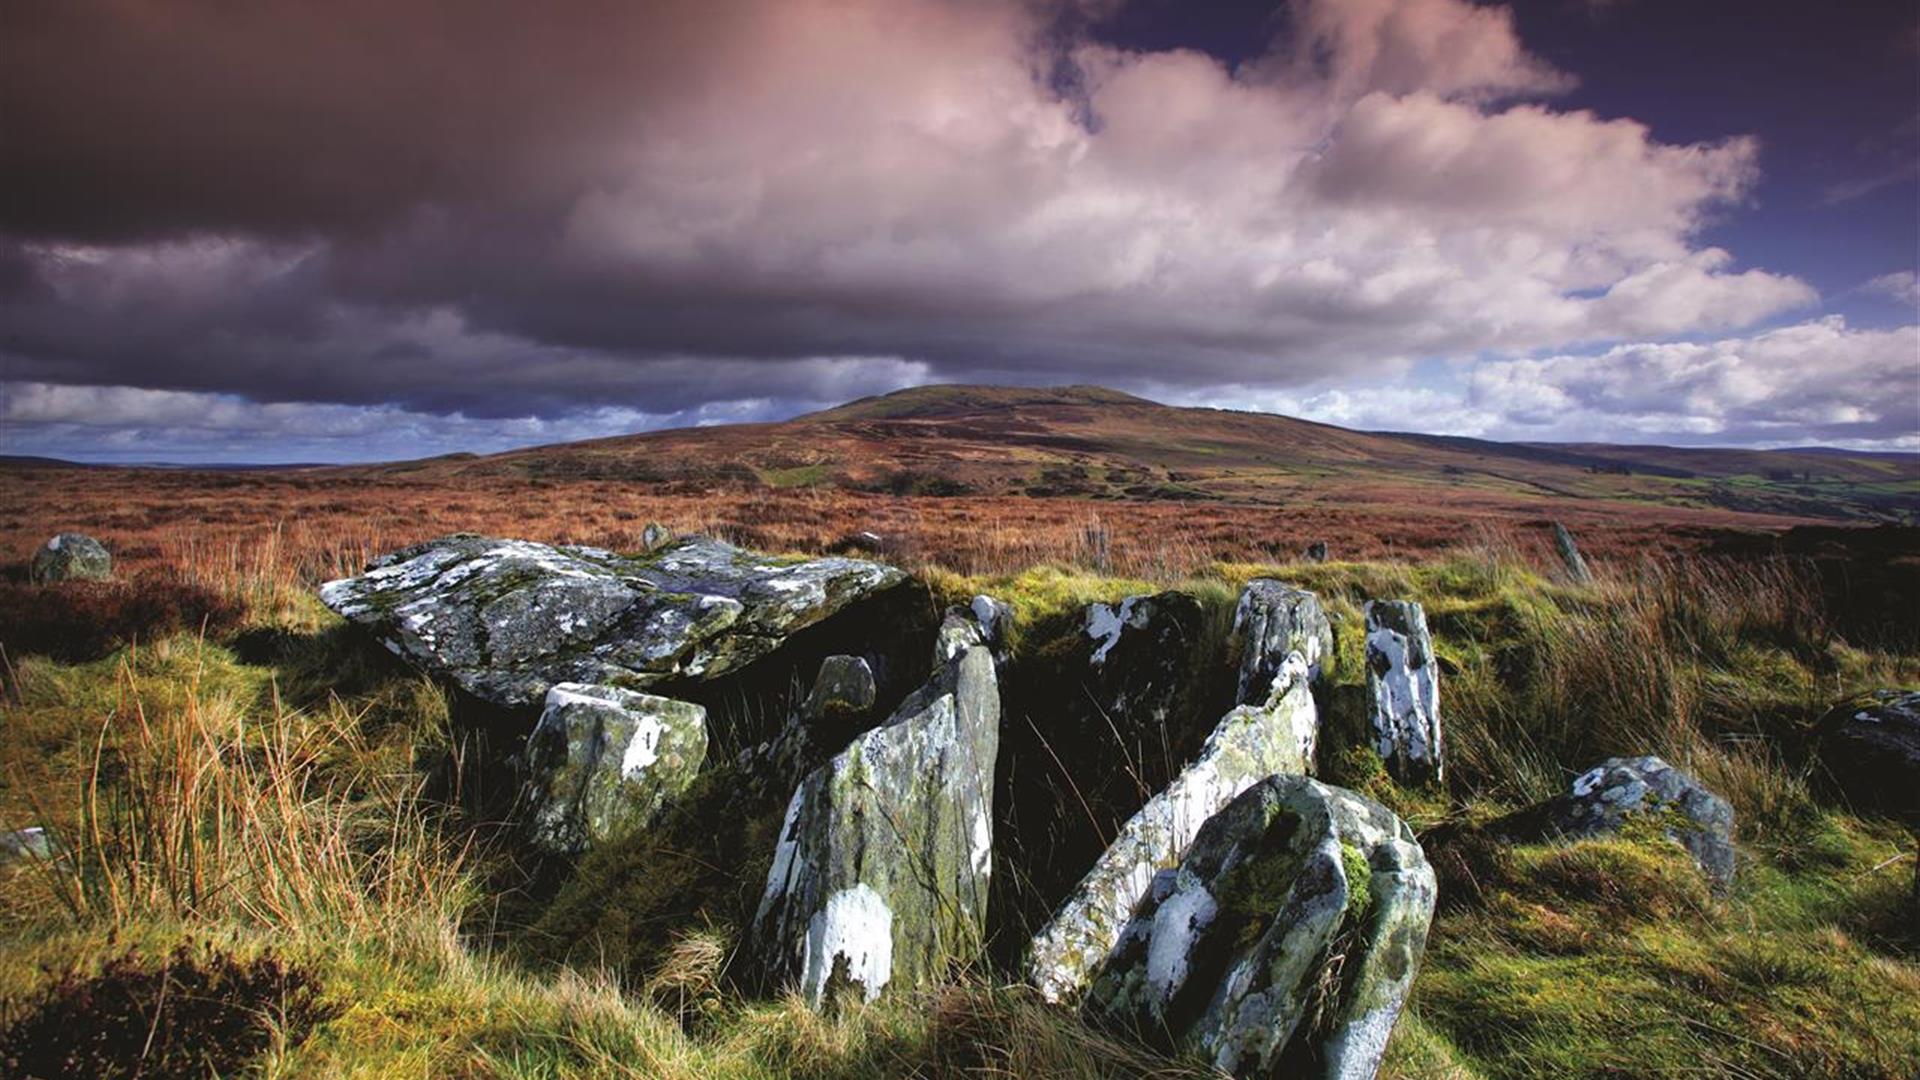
[490,211]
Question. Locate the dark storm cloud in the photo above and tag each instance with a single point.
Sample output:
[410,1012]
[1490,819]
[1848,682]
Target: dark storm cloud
[506,210]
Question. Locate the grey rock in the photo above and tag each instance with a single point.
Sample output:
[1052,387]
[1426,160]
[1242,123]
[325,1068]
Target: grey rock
[1272,620]
[1404,684]
[655,536]
[1293,927]
[506,619]
[842,697]
[29,843]
[1570,556]
[1250,743]
[1870,746]
[880,877]
[71,557]
[1603,798]
[604,761]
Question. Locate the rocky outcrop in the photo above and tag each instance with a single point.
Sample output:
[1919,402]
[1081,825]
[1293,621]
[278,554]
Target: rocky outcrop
[1870,747]
[506,619]
[1271,621]
[1290,932]
[1404,684]
[881,873]
[603,762]
[1605,797]
[71,557]
[1251,743]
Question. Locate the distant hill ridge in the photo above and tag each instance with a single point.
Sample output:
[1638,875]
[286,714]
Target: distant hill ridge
[1096,443]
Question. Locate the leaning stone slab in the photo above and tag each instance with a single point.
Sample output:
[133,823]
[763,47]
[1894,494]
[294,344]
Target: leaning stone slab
[880,876]
[506,619]
[603,762]
[71,557]
[1251,743]
[1291,930]
[1272,620]
[1603,798]
[1404,683]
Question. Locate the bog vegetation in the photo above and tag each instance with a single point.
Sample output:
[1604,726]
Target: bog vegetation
[273,858]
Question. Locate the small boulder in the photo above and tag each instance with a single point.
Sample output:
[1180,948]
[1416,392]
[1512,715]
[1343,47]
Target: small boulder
[655,536]
[865,542]
[1251,743]
[71,557]
[834,710]
[1290,932]
[1602,799]
[506,619]
[1272,620]
[1404,683]
[603,762]
[1870,746]
[880,877]
[29,843]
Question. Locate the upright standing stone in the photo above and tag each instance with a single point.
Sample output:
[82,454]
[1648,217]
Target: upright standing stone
[1229,956]
[1570,555]
[1252,742]
[71,557]
[880,876]
[1272,620]
[603,762]
[1404,683]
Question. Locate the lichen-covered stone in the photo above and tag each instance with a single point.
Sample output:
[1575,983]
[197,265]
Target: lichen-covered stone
[881,873]
[1870,747]
[506,619]
[603,762]
[34,842]
[1404,683]
[71,557]
[1602,799]
[1570,557]
[655,536]
[1251,743]
[1291,930]
[1271,620]
[843,695]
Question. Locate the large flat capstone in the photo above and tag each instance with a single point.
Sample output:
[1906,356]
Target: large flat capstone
[507,619]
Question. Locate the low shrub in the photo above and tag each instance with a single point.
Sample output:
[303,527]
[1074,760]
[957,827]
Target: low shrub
[76,621]
[197,1013]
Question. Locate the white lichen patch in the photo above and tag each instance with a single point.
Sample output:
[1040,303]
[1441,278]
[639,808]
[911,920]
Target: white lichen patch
[856,926]
[1176,926]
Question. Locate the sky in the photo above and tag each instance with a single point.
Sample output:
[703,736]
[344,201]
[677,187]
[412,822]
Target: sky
[377,229]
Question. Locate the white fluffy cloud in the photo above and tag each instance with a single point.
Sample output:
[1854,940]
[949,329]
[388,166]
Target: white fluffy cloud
[1901,285]
[1816,381]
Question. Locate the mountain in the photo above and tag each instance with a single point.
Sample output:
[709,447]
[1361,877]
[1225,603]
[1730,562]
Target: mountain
[1091,442]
